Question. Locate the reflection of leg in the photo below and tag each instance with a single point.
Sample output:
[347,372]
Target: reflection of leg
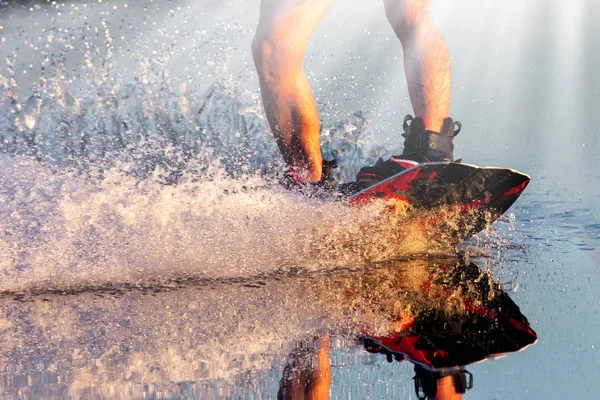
[442,385]
[446,389]
[321,375]
[308,374]
[426,59]
[283,32]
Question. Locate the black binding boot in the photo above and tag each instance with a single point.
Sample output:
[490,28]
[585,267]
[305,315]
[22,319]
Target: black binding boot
[420,145]
[426,381]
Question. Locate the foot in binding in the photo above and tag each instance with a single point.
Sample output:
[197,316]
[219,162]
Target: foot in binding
[426,382]
[420,145]
[322,189]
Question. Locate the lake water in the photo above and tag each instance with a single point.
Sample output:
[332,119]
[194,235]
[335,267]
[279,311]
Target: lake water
[146,252]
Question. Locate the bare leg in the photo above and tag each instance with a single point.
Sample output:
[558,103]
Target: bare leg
[446,390]
[284,29]
[426,59]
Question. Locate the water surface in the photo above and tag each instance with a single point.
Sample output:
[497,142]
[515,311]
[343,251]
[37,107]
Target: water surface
[145,252]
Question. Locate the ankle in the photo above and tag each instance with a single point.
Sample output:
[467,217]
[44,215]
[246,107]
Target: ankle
[433,122]
[306,174]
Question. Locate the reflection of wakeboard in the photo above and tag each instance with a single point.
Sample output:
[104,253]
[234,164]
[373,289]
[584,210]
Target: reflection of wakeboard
[467,319]
[459,200]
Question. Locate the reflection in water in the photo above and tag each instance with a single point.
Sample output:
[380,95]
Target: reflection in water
[204,340]
[449,316]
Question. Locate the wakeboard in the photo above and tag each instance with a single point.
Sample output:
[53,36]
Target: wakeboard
[450,199]
[461,317]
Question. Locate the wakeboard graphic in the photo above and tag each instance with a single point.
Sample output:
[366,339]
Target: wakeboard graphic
[467,319]
[449,199]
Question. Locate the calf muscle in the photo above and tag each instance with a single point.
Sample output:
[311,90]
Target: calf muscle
[284,29]
[426,59]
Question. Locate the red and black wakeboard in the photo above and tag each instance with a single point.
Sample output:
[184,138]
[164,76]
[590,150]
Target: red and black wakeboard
[458,199]
[461,317]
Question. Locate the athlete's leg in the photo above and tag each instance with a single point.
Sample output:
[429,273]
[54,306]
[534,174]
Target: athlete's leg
[283,32]
[426,59]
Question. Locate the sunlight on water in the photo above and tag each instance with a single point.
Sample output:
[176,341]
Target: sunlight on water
[222,336]
[71,230]
[147,249]
[152,179]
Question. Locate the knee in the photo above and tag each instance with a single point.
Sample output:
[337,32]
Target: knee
[406,16]
[273,49]
[262,49]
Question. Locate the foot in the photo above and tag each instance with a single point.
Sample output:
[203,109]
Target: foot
[423,145]
[420,145]
[322,189]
